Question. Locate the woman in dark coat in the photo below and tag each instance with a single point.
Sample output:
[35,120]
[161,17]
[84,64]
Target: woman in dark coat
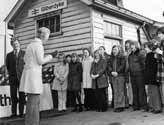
[69,93]
[74,81]
[105,56]
[99,81]
[155,102]
[136,69]
[116,69]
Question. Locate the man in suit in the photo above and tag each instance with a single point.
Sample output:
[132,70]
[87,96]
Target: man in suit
[15,64]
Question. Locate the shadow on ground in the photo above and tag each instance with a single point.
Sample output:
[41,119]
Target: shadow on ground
[115,123]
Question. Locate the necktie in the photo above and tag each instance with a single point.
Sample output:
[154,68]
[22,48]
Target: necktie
[16,53]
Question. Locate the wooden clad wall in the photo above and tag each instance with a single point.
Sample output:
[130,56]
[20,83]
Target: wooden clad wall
[129,29]
[97,28]
[75,25]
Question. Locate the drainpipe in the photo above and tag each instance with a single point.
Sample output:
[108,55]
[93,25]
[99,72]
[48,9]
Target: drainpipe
[138,34]
[145,31]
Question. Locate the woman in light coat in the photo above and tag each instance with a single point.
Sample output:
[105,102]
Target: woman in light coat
[87,80]
[60,82]
[31,80]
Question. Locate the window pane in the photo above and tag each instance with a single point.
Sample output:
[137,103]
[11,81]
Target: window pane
[112,29]
[46,24]
[57,27]
[57,19]
[105,27]
[117,30]
[57,23]
[109,43]
[40,23]
[53,23]
[109,26]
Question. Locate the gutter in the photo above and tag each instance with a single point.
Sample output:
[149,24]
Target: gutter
[122,11]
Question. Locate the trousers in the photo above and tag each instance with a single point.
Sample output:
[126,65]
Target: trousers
[62,99]
[139,94]
[32,116]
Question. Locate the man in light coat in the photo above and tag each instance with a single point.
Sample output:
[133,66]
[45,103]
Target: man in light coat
[31,81]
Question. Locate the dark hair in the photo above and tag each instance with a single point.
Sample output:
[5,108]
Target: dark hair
[13,39]
[136,44]
[80,55]
[62,54]
[162,44]
[68,56]
[74,55]
[87,50]
[119,48]
[102,47]
[160,30]
[98,52]
[128,41]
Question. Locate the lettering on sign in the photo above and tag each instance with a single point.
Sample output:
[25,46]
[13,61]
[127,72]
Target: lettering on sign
[5,100]
[60,4]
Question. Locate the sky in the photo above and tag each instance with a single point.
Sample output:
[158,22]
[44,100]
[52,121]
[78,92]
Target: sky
[150,8]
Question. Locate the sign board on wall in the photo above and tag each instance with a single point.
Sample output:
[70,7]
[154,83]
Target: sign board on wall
[5,100]
[60,4]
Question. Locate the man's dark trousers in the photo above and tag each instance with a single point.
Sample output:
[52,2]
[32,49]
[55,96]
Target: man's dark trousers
[14,90]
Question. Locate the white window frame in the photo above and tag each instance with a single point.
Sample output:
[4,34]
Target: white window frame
[106,35]
[48,15]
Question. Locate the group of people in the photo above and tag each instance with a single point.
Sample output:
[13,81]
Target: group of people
[73,74]
[134,72]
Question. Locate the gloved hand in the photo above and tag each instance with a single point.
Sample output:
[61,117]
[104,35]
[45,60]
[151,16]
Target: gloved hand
[54,53]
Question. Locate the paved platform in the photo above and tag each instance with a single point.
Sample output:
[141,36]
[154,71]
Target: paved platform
[127,117]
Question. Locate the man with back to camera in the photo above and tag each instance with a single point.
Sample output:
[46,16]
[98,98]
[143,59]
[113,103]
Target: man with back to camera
[31,81]
[15,64]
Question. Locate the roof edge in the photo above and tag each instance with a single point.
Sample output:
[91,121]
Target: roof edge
[88,2]
[122,10]
[14,10]
[127,12]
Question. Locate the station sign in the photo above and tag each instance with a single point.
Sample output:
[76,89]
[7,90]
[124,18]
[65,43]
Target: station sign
[57,5]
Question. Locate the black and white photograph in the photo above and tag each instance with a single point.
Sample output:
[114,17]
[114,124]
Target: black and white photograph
[82,62]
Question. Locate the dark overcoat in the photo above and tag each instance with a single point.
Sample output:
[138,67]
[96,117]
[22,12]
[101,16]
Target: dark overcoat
[136,61]
[15,65]
[150,69]
[100,69]
[75,76]
[116,64]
